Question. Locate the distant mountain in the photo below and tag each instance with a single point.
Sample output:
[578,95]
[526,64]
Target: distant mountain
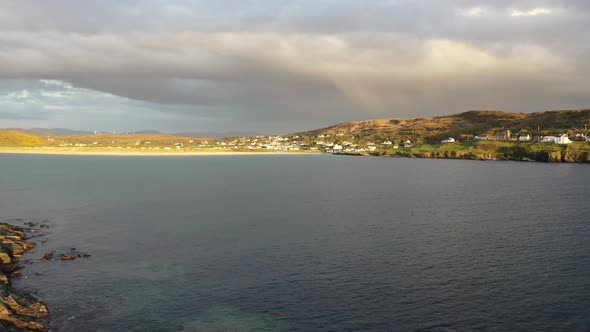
[58,131]
[146,132]
[70,132]
[217,134]
[463,125]
[34,132]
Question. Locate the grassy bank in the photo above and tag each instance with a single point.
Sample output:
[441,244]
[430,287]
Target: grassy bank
[576,152]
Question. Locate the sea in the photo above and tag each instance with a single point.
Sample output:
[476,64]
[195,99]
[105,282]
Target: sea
[303,242]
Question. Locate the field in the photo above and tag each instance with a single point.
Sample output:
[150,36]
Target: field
[498,150]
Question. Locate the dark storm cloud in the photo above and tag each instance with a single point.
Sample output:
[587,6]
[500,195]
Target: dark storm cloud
[296,64]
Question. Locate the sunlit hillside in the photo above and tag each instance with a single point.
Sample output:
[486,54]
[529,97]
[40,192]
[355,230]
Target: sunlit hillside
[464,125]
[17,139]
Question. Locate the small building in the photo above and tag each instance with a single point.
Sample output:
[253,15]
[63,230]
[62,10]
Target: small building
[559,139]
[505,135]
[337,147]
[387,142]
[408,144]
[371,148]
[482,138]
[562,139]
[524,138]
[448,140]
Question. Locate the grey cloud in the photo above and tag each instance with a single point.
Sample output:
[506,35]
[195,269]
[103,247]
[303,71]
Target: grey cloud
[291,64]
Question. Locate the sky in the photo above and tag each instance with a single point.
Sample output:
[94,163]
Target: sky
[277,66]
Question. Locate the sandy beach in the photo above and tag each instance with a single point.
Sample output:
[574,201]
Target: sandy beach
[138,152]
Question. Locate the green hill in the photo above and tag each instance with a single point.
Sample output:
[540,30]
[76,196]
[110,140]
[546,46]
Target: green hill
[19,139]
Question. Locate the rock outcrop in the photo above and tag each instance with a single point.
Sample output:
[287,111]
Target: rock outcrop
[18,311]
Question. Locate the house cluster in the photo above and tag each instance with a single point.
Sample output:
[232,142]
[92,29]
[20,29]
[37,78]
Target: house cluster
[506,135]
[274,143]
[349,147]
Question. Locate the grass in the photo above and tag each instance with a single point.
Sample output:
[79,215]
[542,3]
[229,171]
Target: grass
[17,139]
[483,150]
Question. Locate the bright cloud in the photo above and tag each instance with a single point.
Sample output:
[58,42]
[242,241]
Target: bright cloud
[531,12]
[475,11]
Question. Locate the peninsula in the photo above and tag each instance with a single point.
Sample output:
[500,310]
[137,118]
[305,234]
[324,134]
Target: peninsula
[552,136]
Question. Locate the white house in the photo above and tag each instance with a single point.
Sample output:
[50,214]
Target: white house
[448,140]
[388,142]
[408,144]
[559,139]
[337,147]
[562,139]
[524,138]
[482,138]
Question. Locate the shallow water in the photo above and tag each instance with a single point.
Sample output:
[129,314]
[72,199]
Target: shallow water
[306,243]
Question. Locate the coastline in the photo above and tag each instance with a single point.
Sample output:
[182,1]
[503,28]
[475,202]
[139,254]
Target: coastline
[19,311]
[576,152]
[557,160]
[142,153]
[421,152]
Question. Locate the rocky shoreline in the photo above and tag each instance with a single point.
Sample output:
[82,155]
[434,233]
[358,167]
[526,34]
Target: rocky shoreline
[549,158]
[18,311]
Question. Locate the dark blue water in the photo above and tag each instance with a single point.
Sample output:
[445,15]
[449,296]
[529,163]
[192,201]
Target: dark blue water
[306,243]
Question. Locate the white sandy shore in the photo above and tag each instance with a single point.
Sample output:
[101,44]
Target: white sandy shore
[55,151]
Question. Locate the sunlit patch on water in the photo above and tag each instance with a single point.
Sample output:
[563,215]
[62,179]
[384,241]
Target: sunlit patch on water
[229,319]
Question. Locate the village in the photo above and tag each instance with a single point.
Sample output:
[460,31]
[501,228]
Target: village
[336,144]
[352,146]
